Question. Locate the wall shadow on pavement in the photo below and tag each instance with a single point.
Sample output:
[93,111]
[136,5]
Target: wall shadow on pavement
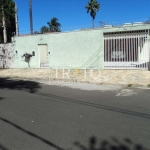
[112,144]
[29,86]
[104,107]
[2,147]
[31,134]
[1,98]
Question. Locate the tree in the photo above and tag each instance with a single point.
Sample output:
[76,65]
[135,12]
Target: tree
[7,20]
[36,32]
[54,25]
[44,29]
[92,7]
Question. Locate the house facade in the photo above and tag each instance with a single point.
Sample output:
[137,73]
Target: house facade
[124,47]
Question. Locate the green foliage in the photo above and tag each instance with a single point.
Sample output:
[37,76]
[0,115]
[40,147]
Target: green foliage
[9,9]
[36,32]
[54,26]
[8,6]
[44,29]
[92,7]
[130,85]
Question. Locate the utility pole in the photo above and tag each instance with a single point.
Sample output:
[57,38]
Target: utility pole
[30,12]
[4,26]
[16,20]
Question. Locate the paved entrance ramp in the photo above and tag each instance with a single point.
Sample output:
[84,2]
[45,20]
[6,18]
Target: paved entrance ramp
[91,87]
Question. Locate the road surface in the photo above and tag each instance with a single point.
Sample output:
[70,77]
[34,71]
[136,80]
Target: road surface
[73,116]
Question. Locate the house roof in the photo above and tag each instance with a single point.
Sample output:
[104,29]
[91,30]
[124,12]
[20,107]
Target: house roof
[126,27]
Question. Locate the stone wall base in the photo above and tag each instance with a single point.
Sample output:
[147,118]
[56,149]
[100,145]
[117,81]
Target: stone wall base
[123,77]
[6,55]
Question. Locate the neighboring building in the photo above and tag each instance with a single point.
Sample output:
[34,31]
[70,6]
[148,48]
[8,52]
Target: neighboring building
[124,47]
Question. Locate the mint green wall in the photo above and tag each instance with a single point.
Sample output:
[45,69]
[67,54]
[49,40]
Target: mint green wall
[78,49]
[25,45]
[83,49]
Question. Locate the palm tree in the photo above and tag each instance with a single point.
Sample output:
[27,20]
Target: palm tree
[54,25]
[44,29]
[31,19]
[92,7]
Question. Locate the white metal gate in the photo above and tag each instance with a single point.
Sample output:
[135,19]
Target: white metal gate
[127,50]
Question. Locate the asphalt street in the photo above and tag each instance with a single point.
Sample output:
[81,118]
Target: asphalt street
[73,116]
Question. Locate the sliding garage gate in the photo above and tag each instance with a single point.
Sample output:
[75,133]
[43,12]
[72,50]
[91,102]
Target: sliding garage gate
[126,50]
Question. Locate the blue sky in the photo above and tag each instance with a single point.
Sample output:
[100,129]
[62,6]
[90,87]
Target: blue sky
[72,13]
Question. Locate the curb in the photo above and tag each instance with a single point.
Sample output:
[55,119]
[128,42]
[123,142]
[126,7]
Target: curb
[42,80]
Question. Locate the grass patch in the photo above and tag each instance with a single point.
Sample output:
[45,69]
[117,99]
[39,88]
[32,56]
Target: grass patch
[130,85]
[148,85]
